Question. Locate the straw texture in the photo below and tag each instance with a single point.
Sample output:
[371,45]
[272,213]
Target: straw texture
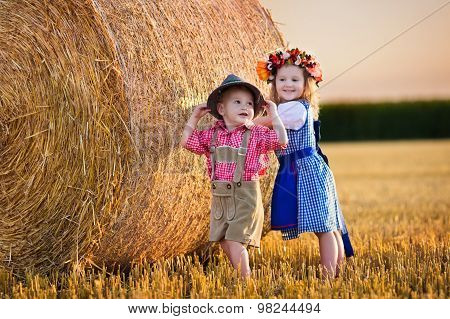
[93,99]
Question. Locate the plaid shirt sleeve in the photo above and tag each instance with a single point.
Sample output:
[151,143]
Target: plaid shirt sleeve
[268,140]
[198,142]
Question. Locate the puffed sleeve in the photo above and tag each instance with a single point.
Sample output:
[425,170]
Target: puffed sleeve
[292,114]
[198,142]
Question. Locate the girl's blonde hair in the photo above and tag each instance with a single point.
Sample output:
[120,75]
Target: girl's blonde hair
[309,94]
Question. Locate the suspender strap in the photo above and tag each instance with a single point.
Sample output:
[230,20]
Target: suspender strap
[226,154]
[242,153]
[212,154]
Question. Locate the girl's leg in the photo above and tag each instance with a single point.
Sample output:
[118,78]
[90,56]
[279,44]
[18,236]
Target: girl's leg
[341,251]
[238,256]
[328,252]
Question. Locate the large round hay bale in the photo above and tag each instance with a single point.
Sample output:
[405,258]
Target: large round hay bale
[93,98]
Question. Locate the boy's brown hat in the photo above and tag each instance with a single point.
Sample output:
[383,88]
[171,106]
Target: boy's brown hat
[233,80]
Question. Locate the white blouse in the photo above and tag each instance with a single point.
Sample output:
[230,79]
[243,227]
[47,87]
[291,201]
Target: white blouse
[292,114]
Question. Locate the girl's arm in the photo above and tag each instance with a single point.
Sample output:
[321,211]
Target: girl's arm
[277,124]
[264,121]
[199,111]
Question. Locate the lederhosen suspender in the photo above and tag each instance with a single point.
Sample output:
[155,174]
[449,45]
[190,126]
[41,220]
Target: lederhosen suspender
[228,154]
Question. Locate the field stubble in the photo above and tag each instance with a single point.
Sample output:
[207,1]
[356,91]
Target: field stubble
[395,197]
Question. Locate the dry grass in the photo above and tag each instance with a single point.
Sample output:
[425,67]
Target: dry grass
[395,199]
[93,98]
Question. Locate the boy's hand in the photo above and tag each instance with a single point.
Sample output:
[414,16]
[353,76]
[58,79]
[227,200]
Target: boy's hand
[200,111]
[270,107]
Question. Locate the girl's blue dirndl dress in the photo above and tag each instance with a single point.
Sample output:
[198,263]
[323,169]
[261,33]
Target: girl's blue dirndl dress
[304,196]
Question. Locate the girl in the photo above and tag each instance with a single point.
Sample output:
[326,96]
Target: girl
[304,196]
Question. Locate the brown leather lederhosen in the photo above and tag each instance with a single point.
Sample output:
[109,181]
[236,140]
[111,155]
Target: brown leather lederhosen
[236,209]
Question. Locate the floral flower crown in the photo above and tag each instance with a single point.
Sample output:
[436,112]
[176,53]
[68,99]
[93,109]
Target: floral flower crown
[268,69]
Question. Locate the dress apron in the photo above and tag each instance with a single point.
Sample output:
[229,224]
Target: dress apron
[284,197]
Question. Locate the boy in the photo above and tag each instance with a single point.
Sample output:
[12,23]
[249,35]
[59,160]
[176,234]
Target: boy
[236,151]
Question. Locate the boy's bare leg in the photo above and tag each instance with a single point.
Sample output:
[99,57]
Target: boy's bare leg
[226,249]
[238,256]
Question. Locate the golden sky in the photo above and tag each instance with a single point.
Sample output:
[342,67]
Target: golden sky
[416,65]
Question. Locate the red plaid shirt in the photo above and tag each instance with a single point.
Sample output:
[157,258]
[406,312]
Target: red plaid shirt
[262,140]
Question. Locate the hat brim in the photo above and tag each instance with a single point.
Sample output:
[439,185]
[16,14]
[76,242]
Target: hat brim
[214,96]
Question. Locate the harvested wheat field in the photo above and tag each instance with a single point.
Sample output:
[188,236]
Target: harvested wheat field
[395,196]
[93,98]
